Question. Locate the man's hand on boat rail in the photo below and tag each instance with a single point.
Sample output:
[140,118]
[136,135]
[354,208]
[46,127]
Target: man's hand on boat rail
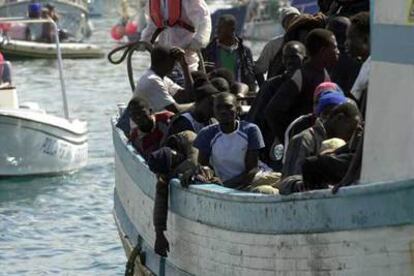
[162,246]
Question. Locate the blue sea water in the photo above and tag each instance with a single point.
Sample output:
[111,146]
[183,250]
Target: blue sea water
[63,225]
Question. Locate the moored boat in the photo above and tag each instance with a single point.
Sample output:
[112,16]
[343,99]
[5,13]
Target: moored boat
[73,15]
[259,19]
[20,49]
[35,142]
[365,229]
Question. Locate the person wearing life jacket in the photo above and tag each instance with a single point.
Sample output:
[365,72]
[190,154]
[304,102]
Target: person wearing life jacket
[184,24]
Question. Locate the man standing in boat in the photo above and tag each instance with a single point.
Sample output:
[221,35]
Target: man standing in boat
[184,24]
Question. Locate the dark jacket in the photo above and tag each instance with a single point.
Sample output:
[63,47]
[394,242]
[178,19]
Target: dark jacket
[245,65]
[182,143]
[293,99]
[345,71]
[348,8]
[305,144]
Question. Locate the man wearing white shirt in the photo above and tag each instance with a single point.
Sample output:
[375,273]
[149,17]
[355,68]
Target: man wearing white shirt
[160,91]
[184,23]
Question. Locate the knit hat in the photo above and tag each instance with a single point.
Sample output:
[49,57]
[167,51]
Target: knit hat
[286,11]
[329,98]
[34,8]
[325,87]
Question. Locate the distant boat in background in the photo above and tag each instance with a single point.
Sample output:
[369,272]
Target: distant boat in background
[34,142]
[259,19]
[20,49]
[95,8]
[73,14]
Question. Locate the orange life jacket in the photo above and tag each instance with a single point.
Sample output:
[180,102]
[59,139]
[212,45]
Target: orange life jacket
[174,15]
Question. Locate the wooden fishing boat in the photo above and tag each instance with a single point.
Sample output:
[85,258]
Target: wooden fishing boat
[20,49]
[73,14]
[366,229]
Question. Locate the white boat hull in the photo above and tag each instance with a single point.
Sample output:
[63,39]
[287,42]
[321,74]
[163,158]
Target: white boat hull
[264,31]
[217,231]
[19,49]
[38,144]
[73,15]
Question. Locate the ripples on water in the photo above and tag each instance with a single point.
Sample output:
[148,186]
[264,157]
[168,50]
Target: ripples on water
[63,225]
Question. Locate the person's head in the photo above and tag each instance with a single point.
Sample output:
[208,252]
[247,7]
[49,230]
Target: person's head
[164,160]
[34,10]
[222,73]
[323,88]
[327,102]
[339,26]
[141,114]
[358,36]
[162,61]
[301,25]
[225,108]
[321,45]
[203,107]
[45,13]
[226,27]
[287,15]
[294,52]
[50,7]
[343,121]
[324,5]
[199,78]
[221,84]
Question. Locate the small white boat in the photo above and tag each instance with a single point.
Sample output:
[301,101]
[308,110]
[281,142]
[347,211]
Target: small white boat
[363,230]
[73,14]
[35,142]
[261,22]
[95,8]
[262,17]
[20,49]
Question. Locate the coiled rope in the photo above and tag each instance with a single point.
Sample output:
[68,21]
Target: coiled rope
[128,50]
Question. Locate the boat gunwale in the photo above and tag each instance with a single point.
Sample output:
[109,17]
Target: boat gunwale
[84,131]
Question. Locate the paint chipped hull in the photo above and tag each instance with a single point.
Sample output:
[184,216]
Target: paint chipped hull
[364,230]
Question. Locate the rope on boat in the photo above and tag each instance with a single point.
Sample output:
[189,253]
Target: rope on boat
[136,252]
[128,50]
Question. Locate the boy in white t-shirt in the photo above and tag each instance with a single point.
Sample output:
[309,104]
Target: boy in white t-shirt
[231,148]
[160,91]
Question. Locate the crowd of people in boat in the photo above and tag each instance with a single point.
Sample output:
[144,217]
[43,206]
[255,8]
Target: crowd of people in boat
[298,129]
